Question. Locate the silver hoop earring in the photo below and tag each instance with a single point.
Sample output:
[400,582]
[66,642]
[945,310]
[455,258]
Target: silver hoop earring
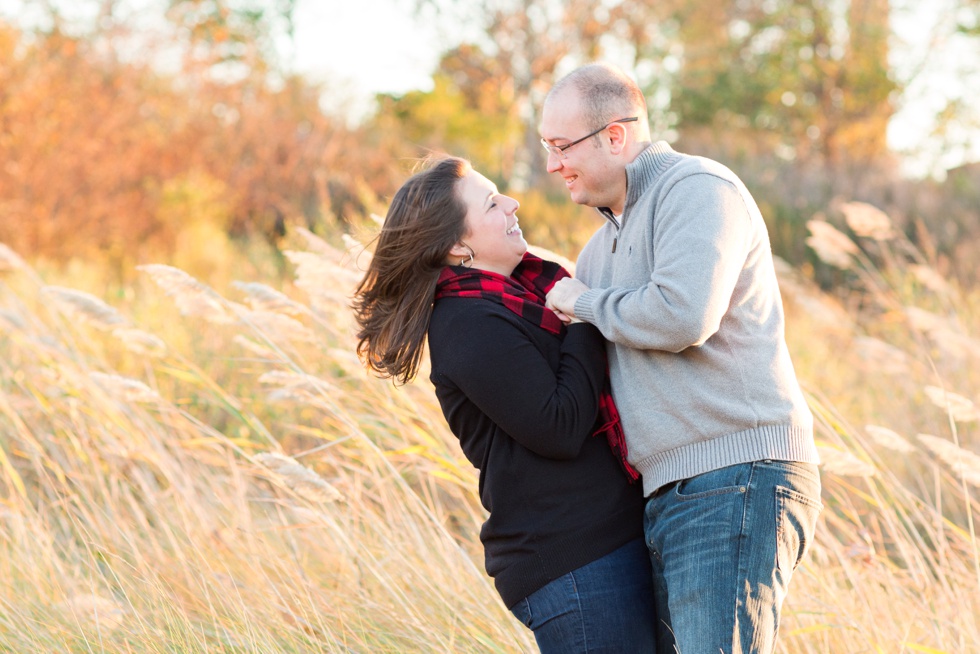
[468,260]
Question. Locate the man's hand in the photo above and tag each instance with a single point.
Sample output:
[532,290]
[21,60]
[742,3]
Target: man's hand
[561,298]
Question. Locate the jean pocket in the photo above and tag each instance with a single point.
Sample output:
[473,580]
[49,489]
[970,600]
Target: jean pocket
[796,521]
[522,611]
[723,481]
[554,600]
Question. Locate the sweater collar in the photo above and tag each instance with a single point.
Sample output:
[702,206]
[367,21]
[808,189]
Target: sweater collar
[648,165]
[641,172]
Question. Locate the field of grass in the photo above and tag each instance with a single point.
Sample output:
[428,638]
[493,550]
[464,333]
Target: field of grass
[208,468]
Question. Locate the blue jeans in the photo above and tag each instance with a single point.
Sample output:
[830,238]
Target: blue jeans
[723,546]
[605,606]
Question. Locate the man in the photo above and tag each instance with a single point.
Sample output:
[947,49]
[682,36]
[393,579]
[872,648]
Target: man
[680,281]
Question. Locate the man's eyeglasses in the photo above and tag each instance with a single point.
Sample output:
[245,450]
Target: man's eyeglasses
[559,150]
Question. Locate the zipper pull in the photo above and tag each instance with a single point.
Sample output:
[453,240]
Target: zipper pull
[615,240]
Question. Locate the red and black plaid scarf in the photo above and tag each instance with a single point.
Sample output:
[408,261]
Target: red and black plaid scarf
[524,293]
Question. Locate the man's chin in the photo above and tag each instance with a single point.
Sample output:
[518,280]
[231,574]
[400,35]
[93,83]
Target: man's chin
[578,197]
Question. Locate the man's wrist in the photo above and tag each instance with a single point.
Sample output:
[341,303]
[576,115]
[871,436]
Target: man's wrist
[582,308]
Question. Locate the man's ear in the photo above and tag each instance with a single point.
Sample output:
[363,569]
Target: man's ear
[616,134]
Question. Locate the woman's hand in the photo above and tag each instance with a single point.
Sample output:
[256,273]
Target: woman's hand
[565,318]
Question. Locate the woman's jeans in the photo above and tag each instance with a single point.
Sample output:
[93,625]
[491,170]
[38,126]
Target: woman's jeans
[605,606]
[723,546]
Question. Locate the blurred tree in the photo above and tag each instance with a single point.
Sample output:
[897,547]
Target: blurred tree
[517,56]
[795,95]
[809,81]
[94,145]
[469,112]
[968,17]
[74,162]
[236,37]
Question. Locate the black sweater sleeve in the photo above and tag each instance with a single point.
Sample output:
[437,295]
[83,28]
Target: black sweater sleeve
[496,364]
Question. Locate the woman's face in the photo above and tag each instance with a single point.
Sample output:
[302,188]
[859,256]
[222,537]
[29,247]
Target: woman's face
[492,233]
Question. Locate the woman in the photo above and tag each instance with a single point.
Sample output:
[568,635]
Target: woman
[526,396]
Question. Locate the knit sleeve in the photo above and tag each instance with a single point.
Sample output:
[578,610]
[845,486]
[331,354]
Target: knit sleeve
[500,370]
[702,236]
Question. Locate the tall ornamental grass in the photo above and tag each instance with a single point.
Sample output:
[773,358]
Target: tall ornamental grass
[205,470]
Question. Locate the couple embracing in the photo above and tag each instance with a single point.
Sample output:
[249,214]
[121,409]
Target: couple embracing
[644,450]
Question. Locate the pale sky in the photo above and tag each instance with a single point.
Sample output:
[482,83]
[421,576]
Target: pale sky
[378,45]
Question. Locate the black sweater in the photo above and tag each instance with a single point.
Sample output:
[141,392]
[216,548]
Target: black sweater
[523,403]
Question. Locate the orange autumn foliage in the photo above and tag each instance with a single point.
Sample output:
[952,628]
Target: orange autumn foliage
[105,157]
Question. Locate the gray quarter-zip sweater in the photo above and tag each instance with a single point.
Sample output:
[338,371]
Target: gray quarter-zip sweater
[683,287]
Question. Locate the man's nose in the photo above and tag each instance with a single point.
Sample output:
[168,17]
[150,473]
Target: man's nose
[554,162]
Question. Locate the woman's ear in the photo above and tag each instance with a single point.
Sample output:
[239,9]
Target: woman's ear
[460,250]
[463,252]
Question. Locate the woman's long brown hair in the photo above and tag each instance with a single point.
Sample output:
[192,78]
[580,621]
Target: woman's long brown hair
[393,303]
